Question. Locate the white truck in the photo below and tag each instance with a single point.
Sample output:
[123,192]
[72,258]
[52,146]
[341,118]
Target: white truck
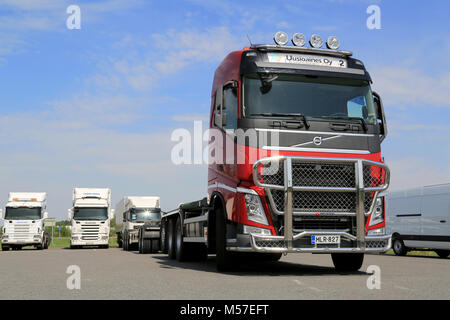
[24,220]
[90,216]
[419,219]
[138,221]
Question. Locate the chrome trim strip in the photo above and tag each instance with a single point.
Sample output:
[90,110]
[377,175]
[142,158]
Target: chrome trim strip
[318,132]
[276,148]
[300,66]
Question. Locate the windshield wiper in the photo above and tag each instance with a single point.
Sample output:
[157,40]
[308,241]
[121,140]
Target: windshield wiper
[286,115]
[361,120]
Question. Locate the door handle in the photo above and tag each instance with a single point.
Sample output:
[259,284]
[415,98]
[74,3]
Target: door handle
[220,167]
[443,221]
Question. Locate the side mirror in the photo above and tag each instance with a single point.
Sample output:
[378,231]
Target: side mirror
[381,117]
[45,215]
[1,214]
[69,214]
[111,213]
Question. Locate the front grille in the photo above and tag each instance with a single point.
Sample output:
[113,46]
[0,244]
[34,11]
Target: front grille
[333,175]
[322,202]
[324,223]
[89,232]
[21,231]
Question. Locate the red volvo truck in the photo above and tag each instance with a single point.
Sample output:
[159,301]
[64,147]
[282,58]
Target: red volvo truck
[301,170]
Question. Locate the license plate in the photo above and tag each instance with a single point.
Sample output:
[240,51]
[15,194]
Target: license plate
[325,239]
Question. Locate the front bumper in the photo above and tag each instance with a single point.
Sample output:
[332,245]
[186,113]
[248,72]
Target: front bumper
[81,242]
[29,241]
[360,185]
[301,242]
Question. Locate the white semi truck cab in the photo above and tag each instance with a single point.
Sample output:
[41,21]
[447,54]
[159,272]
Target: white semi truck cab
[132,213]
[90,216]
[24,220]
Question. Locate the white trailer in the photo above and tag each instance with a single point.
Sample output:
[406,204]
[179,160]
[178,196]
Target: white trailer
[90,217]
[138,221]
[24,221]
[419,219]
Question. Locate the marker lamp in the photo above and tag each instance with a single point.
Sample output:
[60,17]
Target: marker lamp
[255,230]
[298,40]
[316,41]
[281,38]
[333,43]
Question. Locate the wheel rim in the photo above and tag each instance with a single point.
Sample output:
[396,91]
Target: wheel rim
[397,246]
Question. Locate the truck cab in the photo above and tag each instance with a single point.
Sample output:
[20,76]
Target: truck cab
[132,213]
[295,160]
[24,220]
[90,217]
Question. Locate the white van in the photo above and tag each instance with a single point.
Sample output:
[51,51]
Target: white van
[419,219]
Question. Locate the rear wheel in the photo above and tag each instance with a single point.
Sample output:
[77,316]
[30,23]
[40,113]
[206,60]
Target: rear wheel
[181,249]
[347,261]
[399,247]
[443,253]
[164,237]
[171,238]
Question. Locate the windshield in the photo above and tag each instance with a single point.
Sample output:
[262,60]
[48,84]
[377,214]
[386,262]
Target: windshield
[142,215]
[90,214]
[312,96]
[23,213]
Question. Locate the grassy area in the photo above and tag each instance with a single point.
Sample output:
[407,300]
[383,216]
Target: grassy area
[65,243]
[417,253]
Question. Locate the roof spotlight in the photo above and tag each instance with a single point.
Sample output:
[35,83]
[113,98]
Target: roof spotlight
[281,38]
[298,40]
[316,41]
[333,43]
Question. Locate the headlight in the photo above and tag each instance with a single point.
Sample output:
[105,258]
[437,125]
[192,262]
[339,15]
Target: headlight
[316,41]
[298,40]
[333,43]
[281,38]
[255,211]
[378,213]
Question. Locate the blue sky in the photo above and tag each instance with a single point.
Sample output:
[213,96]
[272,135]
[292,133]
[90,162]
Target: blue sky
[96,106]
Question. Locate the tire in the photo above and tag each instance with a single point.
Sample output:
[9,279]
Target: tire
[126,244]
[442,253]
[171,239]
[119,241]
[399,247]
[155,245]
[348,262]
[164,237]
[40,247]
[224,258]
[181,249]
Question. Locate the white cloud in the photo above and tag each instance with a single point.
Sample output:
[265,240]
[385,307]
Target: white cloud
[172,52]
[402,85]
[410,172]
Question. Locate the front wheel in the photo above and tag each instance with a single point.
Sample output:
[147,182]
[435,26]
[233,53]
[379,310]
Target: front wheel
[399,247]
[348,262]
[224,258]
[443,253]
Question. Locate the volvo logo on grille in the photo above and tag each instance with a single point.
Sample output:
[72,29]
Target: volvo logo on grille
[317,141]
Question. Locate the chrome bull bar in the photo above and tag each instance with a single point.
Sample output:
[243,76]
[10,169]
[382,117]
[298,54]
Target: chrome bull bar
[285,243]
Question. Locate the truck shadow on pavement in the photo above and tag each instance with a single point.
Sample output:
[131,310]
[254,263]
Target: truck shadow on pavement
[249,268]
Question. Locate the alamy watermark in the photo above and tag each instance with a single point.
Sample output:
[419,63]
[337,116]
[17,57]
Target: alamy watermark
[74,280]
[74,19]
[374,19]
[374,281]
